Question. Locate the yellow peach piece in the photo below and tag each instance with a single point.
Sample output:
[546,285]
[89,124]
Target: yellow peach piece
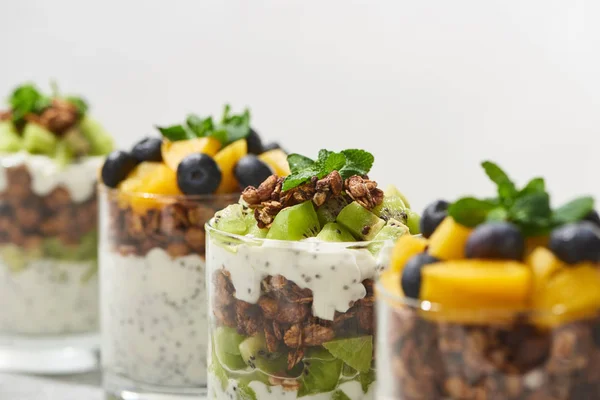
[406,247]
[449,240]
[174,152]
[226,160]
[277,160]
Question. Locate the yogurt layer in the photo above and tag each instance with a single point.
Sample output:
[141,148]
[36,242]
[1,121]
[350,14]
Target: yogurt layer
[49,297]
[46,175]
[154,317]
[333,273]
[352,390]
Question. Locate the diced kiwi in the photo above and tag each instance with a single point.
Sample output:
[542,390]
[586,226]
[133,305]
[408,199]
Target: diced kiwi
[13,257]
[87,249]
[252,225]
[362,224]
[76,142]
[334,232]
[329,211]
[322,372]
[255,354]
[392,191]
[227,342]
[63,154]
[101,143]
[231,219]
[413,222]
[392,230]
[39,140]
[295,223]
[10,141]
[392,207]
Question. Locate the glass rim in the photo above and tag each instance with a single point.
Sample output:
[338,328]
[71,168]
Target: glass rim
[295,244]
[432,308]
[102,188]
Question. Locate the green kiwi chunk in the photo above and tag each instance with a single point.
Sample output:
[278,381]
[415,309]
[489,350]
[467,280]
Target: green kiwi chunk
[392,191]
[255,354]
[39,140]
[413,222]
[231,219]
[101,143]
[227,350]
[334,232]
[362,224]
[329,210]
[63,154]
[295,223]
[10,141]
[392,207]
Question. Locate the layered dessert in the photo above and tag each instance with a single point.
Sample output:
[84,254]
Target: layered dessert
[50,152]
[499,299]
[155,202]
[291,270]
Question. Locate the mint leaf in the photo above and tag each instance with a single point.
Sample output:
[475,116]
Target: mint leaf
[339,395]
[175,132]
[221,136]
[536,185]
[497,214]
[298,162]
[333,162]
[298,178]
[532,208]
[573,211]
[470,211]
[366,379]
[199,126]
[323,154]
[356,352]
[358,162]
[27,99]
[507,190]
[321,372]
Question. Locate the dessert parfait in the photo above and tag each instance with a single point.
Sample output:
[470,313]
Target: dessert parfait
[155,201]
[50,152]
[499,299]
[290,272]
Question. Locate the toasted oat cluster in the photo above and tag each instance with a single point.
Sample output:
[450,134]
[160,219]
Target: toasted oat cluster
[283,314]
[27,219]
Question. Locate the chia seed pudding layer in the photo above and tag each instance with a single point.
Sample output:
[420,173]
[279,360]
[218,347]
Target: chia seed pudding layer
[153,291]
[295,299]
[48,249]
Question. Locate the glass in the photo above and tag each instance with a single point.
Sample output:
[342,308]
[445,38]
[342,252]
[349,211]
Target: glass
[427,352]
[153,293]
[291,319]
[48,265]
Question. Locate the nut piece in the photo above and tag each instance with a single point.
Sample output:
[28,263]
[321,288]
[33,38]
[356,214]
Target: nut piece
[316,335]
[363,191]
[59,117]
[330,185]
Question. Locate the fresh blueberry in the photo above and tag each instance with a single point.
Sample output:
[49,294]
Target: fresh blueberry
[411,275]
[575,243]
[148,149]
[117,166]
[254,142]
[250,171]
[272,146]
[433,215]
[593,217]
[496,240]
[198,174]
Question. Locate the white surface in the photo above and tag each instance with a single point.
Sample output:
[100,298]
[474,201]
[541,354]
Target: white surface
[432,87]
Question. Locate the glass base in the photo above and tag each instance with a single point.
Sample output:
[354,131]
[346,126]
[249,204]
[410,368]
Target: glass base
[120,388]
[49,355]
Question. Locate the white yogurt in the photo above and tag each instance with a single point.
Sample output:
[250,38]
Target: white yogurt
[352,390]
[49,297]
[154,318]
[78,179]
[334,274]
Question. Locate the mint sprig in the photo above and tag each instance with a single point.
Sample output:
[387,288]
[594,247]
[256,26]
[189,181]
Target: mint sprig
[231,127]
[347,162]
[529,207]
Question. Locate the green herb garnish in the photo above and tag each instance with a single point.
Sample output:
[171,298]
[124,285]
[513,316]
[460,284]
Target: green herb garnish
[347,162]
[230,128]
[529,208]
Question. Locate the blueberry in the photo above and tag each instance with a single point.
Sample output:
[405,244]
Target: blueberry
[198,174]
[593,217]
[272,146]
[148,149]
[250,171]
[411,275]
[254,142]
[433,215]
[496,240]
[117,166]
[575,243]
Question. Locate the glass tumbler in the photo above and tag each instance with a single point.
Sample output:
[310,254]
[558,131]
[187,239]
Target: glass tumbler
[153,294]
[291,319]
[48,265]
[427,351]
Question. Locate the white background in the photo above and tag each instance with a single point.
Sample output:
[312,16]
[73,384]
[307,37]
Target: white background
[430,87]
